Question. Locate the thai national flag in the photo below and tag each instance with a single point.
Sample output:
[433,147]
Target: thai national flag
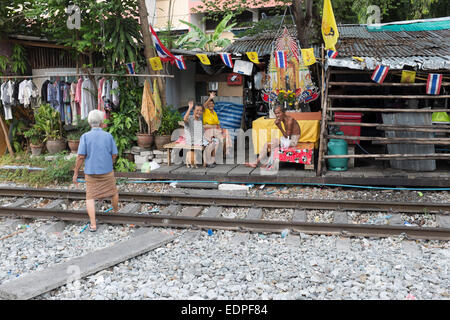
[163,53]
[380,73]
[281,59]
[434,83]
[130,67]
[226,58]
[180,62]
[332,54]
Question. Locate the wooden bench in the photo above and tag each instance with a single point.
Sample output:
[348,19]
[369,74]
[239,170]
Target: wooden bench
[173,145]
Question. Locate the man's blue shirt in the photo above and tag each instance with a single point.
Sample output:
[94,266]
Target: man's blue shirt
[98,146]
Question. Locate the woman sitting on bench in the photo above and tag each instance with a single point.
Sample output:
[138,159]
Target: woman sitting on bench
[211,122]
[194,133]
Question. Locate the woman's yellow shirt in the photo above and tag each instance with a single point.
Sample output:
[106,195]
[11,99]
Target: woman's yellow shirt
[210,118]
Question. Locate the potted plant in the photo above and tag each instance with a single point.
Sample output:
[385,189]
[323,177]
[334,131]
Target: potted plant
[48,120]
[36,138]
[73,137]
[169,122]
[144,136]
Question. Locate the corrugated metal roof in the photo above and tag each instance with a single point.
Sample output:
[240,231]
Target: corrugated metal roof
[357,40]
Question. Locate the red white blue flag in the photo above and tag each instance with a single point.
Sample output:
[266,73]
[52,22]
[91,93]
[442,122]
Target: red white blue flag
[281,59]
[163,53]
[226,58]
[380,73]
[130,67]
[332,54]
[434,83]
[180,62]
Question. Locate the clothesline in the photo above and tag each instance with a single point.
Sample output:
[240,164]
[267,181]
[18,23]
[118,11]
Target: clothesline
[86,74]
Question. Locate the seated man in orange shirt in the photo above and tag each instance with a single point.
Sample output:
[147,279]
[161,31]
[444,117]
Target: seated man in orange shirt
[211,122]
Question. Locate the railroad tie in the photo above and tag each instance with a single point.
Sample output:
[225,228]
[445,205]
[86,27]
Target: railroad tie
[396,219]
[55,204]
[20,202]
[443,220]
[212,212]
[171,210]
[340,217]
[132,207]
[299,216]
[254,214]
[190,211]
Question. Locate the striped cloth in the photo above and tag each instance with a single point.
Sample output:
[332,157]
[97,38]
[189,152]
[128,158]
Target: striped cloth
[230,114]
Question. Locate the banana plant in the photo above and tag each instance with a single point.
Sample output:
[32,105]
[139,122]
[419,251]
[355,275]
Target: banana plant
[197,38]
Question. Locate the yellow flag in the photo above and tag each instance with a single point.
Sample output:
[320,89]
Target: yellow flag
[158,105]
[156,63]
[203,58]
[253,57]
[308,56]
[359,59]
[408,76]
[330,31]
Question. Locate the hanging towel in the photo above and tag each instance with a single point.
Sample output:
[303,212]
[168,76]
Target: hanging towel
[148,110]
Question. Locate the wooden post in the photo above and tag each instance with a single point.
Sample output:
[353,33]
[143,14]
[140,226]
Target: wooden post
[323,125]
[6,136]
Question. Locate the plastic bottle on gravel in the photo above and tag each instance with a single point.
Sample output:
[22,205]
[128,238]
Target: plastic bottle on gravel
[284,233]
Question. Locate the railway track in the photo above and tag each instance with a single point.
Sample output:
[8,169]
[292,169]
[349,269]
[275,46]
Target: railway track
[185,211]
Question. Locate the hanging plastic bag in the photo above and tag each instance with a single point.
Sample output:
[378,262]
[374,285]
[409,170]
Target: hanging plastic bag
[440,117]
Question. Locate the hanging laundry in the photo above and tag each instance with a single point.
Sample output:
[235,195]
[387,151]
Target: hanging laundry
[66,103]
[52,95]
[87,98]
[115,93]
[16,91]
[29,94]
[6,101]
[10,88]
[100,104]
[73,103]
[44,91]
[61,108]
[78,91]
[106,95]
[148,109]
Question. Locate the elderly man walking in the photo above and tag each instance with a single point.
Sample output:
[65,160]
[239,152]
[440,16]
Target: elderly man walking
[99,151]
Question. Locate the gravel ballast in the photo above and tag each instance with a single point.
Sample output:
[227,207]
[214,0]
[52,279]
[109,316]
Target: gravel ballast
[232,265]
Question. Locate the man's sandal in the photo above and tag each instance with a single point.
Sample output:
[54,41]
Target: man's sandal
[92,229]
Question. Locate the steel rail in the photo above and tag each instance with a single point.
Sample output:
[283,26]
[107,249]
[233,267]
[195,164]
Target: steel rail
[234,224]
[261,202]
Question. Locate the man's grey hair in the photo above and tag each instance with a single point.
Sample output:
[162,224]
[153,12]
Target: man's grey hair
[95,118]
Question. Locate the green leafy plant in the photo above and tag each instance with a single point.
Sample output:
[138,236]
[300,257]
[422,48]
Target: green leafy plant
[18,59]
[169,121]
[3,63]
[79,129]
[59,170]
[48,120]
[19,128]
[35,135]
[197,38]
[123,122]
